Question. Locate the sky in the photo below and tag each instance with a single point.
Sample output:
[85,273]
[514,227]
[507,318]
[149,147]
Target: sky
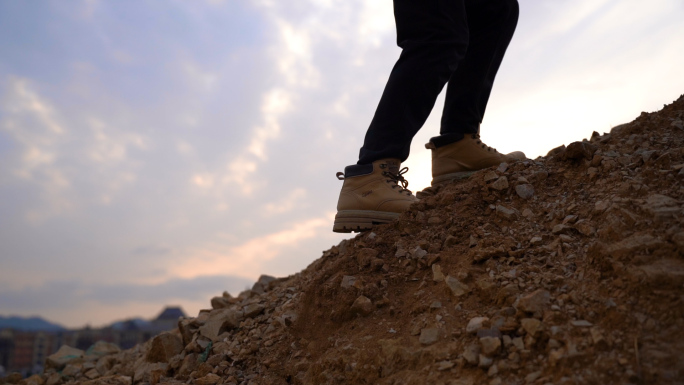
[159,152]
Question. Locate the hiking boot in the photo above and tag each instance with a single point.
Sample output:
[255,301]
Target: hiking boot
[462,158]
[372,194]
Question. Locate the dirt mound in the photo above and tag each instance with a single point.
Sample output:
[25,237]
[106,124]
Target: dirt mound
[564,269]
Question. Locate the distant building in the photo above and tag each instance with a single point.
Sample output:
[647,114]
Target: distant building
[168,318]
[25,352]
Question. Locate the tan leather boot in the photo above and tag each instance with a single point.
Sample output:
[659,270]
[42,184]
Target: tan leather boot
[462,158]
[372,194]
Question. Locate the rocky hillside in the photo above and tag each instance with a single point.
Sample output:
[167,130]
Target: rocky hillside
[566,269]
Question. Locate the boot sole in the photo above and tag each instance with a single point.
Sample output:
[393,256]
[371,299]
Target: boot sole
[451,177]
[347,221]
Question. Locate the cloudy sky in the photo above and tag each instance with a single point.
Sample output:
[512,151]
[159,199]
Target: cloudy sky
[162,151]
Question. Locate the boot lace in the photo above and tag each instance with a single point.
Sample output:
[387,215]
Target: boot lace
[479,141]
[398,181]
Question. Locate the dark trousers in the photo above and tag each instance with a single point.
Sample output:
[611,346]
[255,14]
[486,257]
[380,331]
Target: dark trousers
[461,42]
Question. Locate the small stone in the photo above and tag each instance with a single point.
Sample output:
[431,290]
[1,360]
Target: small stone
[484,361]
[219,303]
[35,379]
[598,339]
[490,346]
[518,343]
[263,283]
[532,377]
[678,124]
[418,253]
[505,212]
[476,324]
[434,220]
[92,374]
[163,347]
[102,348]
[209,379]
[536,241]
[362,305]
[451,241]
[435,305]
[63,356]
[437,274]
[365,256]
[581,323]
[535,302]
[458,289]
[471,354]
[561,229]
[524,191]
[584,228]
[493,371]
[348,281]
[500,184]
[429,336]
[490,175]
[253,310]
[527,213]
[502,167]
[444,365]
[219,322]
[555,356]
[530,325]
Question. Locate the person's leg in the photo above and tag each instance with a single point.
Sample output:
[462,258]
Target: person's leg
[492,24]
[458,151]
[434,37]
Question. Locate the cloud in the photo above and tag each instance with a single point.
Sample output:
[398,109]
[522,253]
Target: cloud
[69,294]
[251,257]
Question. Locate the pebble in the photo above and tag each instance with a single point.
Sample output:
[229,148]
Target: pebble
[581,323]
[444,365]
[428,336]
[535,302]
[500,184]
[362,305]
[437,274]
[530,325]
[490,346]
[476,324]
[524,191]
[506,212]
[458,289]
[484,361]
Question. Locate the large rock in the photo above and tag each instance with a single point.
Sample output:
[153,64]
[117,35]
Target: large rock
[63,356]
[219,322]
[263,284]
[163,347]
[580,150]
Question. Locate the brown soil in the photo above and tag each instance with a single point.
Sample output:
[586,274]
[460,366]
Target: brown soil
[575,261]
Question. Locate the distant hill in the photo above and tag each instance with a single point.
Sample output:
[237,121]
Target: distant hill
[29,324]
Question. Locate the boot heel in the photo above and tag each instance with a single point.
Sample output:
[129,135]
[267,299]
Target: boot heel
[452,177]
[347,221]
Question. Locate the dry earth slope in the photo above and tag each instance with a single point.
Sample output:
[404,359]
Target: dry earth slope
[567,269]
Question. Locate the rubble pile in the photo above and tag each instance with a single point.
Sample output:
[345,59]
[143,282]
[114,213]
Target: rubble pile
[566,269]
